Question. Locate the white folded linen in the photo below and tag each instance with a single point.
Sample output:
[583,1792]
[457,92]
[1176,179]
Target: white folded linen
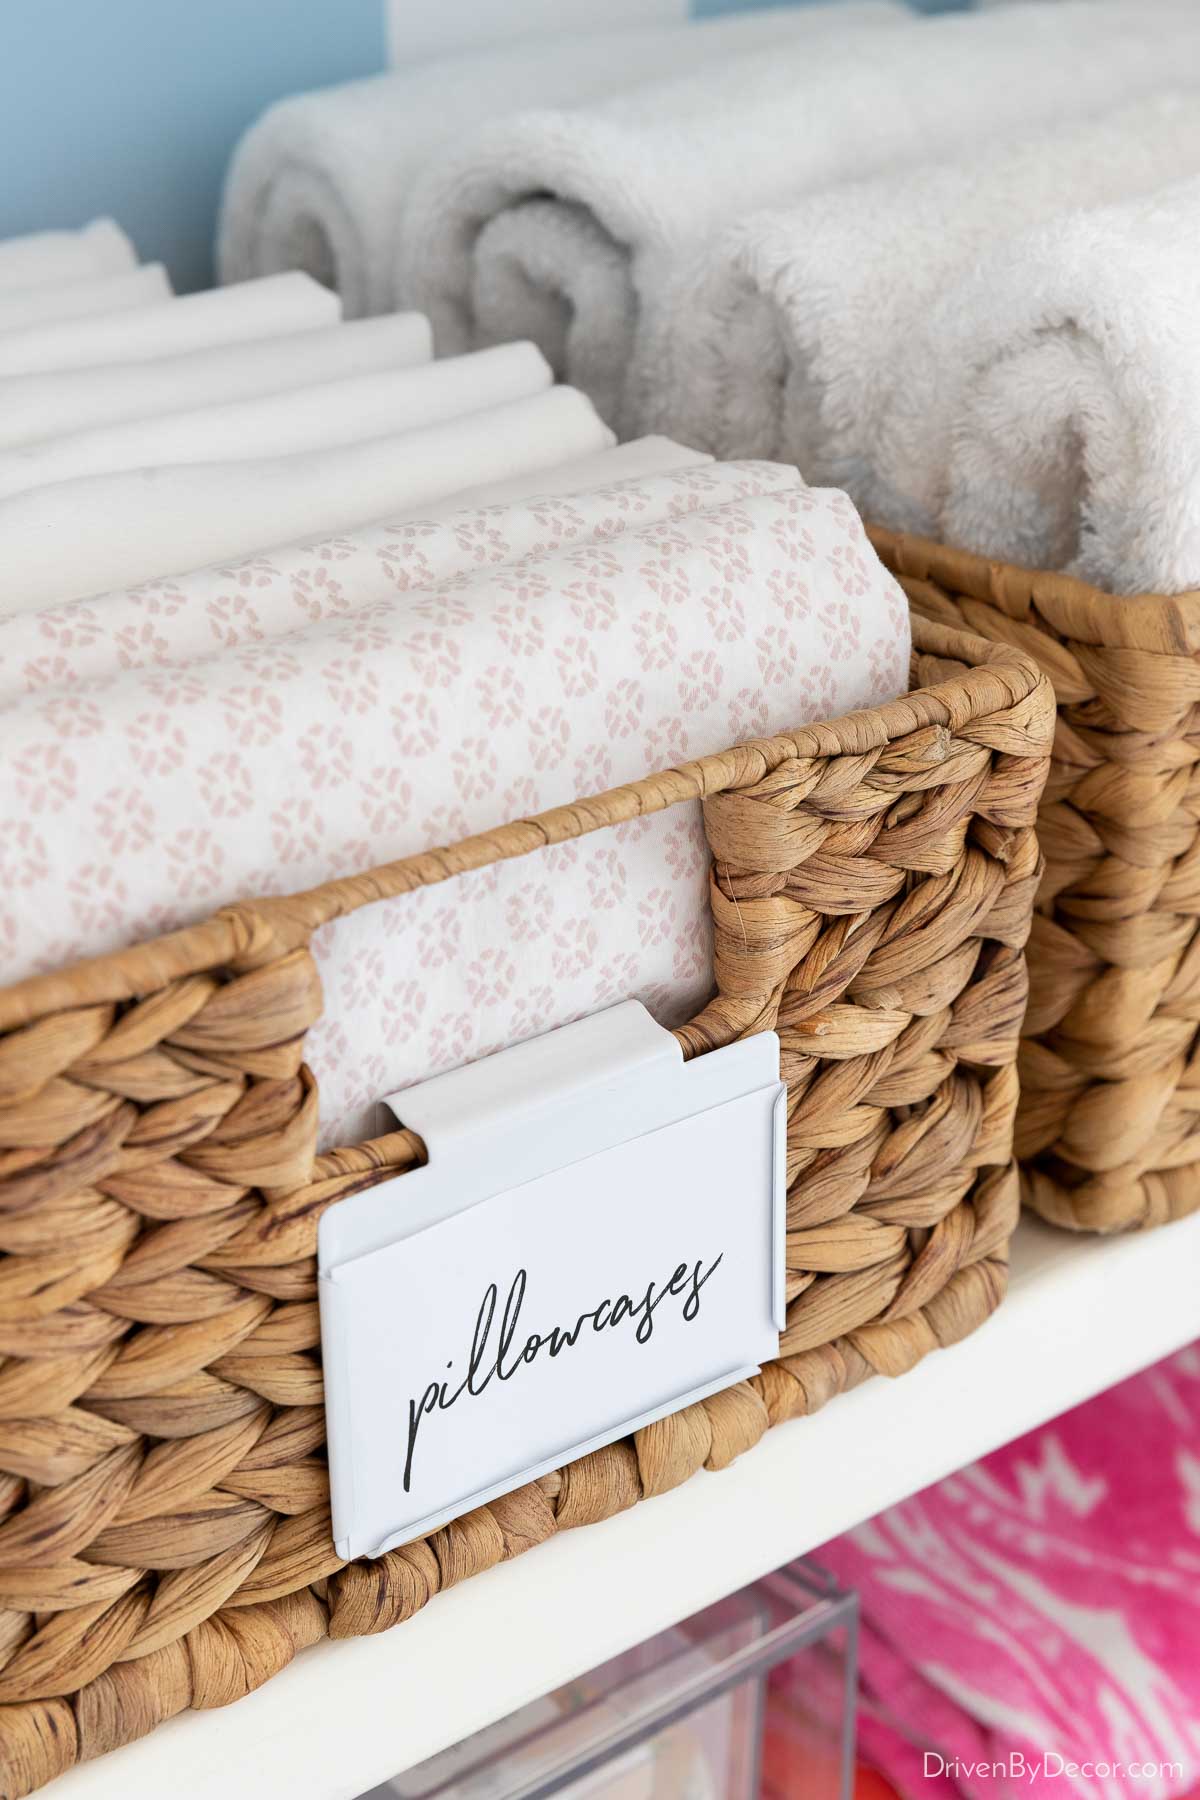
[100,248]
[499,689]
[795,330]
[170,622]
[1070,395]
[569,226]
[21,307]
[626,463]
[252,309]
[305,418]
[57,401]
[319,182]
[82,537]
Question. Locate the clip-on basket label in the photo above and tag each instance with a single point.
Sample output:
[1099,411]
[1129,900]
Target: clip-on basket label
[596,1241]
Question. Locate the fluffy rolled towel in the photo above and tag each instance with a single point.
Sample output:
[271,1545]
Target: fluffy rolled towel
[82,537]
[305,418]
[568,227]
[38,305]
[252,309]
[320,181]
[1069,398]
[500,689]
[793,331]
[167,623]
[100,248]
[56,401]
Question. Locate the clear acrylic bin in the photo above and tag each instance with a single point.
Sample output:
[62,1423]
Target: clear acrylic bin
[681,1716]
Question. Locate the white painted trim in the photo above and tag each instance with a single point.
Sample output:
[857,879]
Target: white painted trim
[423,28]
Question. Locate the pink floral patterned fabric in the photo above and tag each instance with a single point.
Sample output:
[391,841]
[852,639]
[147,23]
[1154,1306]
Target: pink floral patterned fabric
[1032,1625]
[306,715]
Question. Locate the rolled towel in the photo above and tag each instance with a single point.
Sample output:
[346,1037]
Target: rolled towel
[638,182]
[320,181]
[253,309]
[305,418]
[48,257]
[794,330]
[82,537]
[1069,398]
[57,401]
[500,689]
[169,622]
[26,306]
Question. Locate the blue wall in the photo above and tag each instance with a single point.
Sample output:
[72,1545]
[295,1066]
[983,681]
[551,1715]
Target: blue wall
[132,107]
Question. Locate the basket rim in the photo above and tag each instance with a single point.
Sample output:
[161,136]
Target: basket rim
[251,932]
[1163,624]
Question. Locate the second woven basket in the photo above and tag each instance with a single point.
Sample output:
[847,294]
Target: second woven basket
[1108,1133]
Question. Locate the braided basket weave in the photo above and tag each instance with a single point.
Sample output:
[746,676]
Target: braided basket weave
[164,1528]
[1109,1128]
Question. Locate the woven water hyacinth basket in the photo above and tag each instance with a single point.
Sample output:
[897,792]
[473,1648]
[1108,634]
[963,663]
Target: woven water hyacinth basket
[164,1527]
[1109,1128]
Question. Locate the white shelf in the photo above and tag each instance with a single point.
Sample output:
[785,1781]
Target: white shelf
[1081,1314]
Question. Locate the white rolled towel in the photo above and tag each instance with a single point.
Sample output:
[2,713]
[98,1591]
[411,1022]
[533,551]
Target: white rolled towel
[320,417]
[252,309]
[54,402]
[99,249]
[82,537]
[21,307]
[1069,397]
[794,330]
[170,622]
[638,182]
[498,689]
[319,182]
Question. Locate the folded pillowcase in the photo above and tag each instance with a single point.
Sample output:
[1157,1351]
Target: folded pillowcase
[380,404]
[47,257]
[154,797]
[82,537]
[167,623]
[56,401]
[22,307]
[254,309]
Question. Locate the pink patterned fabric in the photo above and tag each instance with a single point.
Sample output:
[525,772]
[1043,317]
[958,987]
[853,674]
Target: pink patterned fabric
[1032,1625]
[371,698]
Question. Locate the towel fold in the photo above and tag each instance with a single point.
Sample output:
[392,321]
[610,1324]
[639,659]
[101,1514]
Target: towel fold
[168,623]
[57,401]
[795,330]
[570,227]
[252,309]
[100,248]
[1031,1626]
[320,181]
[82,537]
[38,305]
[599,642]
[381,404]
[1069,395]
